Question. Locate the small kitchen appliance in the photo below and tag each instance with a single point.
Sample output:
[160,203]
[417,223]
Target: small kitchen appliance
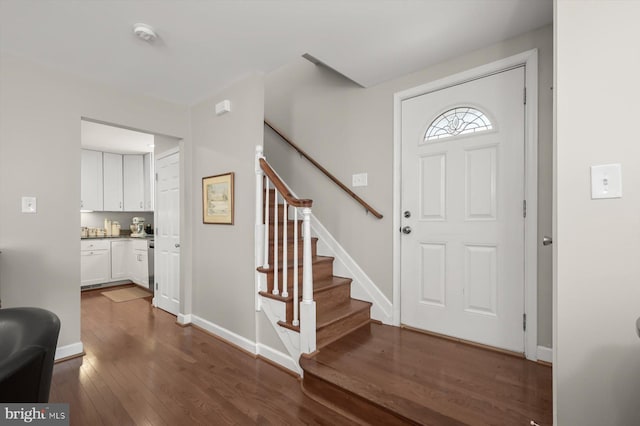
[138,227]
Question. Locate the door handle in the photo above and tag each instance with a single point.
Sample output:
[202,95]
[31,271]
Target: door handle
[406,230]
[177,245]
[547,241]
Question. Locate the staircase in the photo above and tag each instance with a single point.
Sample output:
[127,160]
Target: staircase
[337,314]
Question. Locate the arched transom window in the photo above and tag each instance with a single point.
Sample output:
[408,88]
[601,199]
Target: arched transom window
[457,121]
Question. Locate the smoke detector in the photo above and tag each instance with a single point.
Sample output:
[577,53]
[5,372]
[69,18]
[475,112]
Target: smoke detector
[145,32]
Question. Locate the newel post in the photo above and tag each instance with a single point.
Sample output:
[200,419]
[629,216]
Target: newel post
[308,305]
[259,226]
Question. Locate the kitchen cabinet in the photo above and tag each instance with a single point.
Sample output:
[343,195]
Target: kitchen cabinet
[91,180]
[95,262]
[139,272]
[113,189]
[121,254]
[103,261]
[149,181]
[133,186]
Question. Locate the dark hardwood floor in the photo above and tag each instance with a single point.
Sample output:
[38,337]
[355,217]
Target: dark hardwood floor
[141,368]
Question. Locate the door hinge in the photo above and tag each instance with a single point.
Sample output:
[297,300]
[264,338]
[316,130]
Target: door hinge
[156,286]
[156,177]
[524,208]
[524,96]
[524,322]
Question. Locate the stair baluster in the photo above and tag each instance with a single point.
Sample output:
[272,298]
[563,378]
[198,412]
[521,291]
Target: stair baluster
[266,228]
[276,237]
[295,320]
[285,265]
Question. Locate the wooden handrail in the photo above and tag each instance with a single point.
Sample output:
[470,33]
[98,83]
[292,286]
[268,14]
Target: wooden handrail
[281,187]
[325,171]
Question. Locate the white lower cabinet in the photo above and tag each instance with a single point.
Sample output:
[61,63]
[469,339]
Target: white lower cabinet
[104,261]
[139,272]
[95,262]
[120,258]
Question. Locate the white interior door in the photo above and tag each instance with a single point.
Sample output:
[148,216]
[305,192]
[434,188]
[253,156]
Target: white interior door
[167,238]
[462,264]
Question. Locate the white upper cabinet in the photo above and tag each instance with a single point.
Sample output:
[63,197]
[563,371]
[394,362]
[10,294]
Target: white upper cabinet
[116,182]
[91,180]
[149,182]
[113,182]
[133,183]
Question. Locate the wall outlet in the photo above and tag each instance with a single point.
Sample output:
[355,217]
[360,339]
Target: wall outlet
[29,205]
[359,179]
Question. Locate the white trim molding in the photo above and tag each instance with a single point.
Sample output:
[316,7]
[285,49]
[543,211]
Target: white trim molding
[545,354]
[69,350]
[223,333]
[530,61]
[278,357]
[184,319]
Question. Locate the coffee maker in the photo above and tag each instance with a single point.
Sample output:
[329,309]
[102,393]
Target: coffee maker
[137,228]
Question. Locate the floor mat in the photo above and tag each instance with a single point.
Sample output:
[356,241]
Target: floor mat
[126,294]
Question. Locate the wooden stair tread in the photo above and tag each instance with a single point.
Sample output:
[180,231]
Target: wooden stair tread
[336,314]
[341,311]
[329,283]
[319,286]
[314,260]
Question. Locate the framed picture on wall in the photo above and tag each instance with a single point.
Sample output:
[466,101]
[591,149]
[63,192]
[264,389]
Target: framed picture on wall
[217,199]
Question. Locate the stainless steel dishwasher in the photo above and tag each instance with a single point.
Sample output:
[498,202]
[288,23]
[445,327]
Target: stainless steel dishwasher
[152,277]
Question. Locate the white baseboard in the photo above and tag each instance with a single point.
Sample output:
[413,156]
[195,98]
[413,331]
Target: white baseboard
[69,350]
[184,319]
[278,357]
[362,287]
[223,333]
[545,354]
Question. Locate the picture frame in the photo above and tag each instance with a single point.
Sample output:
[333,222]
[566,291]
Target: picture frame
[218,199]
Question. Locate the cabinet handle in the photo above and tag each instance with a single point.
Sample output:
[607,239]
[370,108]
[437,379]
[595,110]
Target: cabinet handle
[141,204]
[120,204]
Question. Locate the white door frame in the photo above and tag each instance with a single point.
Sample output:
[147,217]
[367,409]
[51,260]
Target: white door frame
[530,60]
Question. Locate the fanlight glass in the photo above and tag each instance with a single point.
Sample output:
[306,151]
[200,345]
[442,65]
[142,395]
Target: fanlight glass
[458,121]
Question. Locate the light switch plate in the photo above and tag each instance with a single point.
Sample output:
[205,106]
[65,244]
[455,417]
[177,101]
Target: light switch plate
[359,179]
[606,181]
[29,205]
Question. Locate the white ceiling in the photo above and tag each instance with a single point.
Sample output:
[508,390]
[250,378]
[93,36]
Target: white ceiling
[101,137]
[204,45]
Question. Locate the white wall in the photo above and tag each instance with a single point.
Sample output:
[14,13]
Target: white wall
[349,130]
[40,112]
[597,244]
[223,264]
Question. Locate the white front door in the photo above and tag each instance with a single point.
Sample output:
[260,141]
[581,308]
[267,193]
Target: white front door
[462,255]
[167,238]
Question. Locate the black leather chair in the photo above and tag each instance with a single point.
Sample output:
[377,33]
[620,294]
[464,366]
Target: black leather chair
[28,339]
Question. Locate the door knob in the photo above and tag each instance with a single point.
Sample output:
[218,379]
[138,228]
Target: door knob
[547,241]
[406,230]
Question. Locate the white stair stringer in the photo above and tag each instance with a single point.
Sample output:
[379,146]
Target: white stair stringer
[362,287]
[275,311]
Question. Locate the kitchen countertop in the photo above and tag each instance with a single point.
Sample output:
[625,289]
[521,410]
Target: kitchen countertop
[119,237]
